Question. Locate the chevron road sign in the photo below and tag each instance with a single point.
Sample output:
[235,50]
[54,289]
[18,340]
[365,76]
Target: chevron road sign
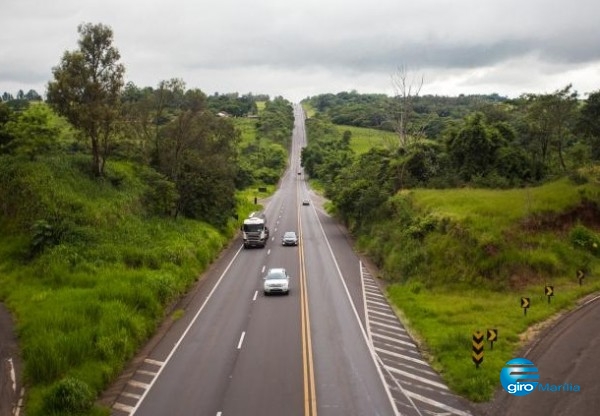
[477,348]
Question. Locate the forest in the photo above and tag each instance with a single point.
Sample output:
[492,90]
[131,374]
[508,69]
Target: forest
[448,142]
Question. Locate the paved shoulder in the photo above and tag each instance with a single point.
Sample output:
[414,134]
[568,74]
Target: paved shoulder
[10,378]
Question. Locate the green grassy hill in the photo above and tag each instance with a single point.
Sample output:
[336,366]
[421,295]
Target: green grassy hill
[88,270]
[459,260]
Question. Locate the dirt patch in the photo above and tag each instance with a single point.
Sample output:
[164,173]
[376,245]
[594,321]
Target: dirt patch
[586,213]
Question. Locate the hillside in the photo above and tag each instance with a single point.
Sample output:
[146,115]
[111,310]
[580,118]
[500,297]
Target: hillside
[459,260]
[92,278]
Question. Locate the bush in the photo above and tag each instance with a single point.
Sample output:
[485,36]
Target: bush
[68,396]
[583,238]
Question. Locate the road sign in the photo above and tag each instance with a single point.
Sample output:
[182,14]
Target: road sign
[492,335]
[549,290]
[580,276]
[477,353]
[525,305]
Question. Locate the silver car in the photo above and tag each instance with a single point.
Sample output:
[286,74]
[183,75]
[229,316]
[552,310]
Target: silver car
[290,238]
[276,281]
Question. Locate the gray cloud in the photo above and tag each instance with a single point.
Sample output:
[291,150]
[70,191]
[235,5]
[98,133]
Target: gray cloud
[284,48]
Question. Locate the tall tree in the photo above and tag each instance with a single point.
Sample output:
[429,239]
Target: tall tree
[86,89]
[406,92]
[589,123]
[550,119]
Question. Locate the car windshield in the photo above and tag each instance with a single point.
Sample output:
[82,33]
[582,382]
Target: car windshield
[290,235]
[275,275]
[251,228]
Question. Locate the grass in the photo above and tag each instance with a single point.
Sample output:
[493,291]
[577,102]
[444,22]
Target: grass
[445,319]
[464,258]
[363,139]
[487,210]
[83,306]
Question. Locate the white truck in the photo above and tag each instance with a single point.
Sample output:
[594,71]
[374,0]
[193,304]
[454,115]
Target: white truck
[255,232]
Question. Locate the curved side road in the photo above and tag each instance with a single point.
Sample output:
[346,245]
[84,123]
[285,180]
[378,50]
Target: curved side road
[569,352]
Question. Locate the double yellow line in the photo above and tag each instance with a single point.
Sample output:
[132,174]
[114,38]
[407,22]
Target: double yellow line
[310,397]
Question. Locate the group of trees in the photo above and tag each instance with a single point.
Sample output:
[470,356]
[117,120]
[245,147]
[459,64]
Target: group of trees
[173,130]
[484,141]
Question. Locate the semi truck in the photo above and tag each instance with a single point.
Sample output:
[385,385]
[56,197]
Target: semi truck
[255,232]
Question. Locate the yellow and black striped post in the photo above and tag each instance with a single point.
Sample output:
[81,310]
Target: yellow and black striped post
[477,348]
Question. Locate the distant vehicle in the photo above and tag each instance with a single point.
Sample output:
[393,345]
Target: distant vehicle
[255,232]
[276,281]
[305,202]
[290,238]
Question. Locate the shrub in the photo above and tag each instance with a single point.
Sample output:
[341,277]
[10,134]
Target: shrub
[583,238]
[68,396]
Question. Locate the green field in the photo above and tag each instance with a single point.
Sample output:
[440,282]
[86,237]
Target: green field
[477,252]
[363,139]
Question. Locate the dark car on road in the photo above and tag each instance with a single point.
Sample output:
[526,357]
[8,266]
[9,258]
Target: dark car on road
[290,238]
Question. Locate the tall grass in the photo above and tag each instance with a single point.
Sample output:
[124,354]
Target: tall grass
[460,260]
[364,139]
[99,285]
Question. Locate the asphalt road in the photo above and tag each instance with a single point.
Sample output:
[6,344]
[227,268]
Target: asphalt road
[244,353]
[569,352]
[332,347]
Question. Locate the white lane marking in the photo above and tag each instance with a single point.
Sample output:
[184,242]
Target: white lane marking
[263,268]
[384,314]
[395,340]
[146,373]
[268,252]
[239,347]
[403,357]
[255,295]
[155,362]
[131,395]
[378,361]
[418,378]
[443,406]
[139,384]
[358,320]
[187,329]
[20,402]
[13,377]
[123,407]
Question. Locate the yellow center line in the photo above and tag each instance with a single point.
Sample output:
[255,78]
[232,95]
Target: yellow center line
[310,398]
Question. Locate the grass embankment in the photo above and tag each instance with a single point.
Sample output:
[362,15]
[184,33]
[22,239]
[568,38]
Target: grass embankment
[363,139]
[90,281]
[460,260]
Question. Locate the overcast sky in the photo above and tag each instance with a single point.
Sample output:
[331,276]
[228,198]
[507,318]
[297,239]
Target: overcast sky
[303,48]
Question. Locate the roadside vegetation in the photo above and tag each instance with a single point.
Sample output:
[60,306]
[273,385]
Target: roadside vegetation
[478,202]
[113,200]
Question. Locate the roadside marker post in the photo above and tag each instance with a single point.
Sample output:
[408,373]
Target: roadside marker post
[492,335]
[525,305]
[580,276]
[477,353]
[549,290]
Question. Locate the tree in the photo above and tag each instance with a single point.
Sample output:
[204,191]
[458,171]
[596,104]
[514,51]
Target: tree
[589,123]
[406,91]
[473,147]
[86,89]
[33,132]
[550,117]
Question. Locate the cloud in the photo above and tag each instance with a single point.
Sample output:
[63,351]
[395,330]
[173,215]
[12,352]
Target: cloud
[283,48]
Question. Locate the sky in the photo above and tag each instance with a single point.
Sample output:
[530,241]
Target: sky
[298,49]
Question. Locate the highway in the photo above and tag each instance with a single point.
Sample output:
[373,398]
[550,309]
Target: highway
[318,350]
